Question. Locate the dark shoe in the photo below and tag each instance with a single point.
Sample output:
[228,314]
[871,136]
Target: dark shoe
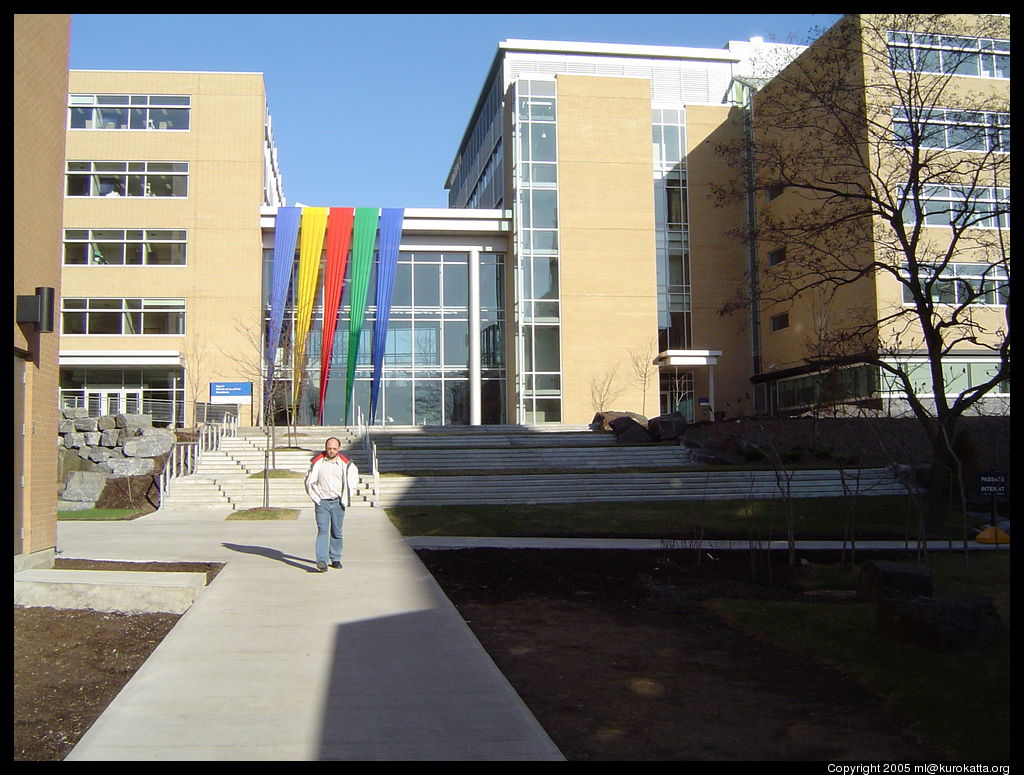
[336,564]
[321,566]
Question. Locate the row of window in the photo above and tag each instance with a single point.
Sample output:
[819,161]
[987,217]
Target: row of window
[865,381]
[949,54]
[965,284]
[985,207]
[127,178]
[962,206]
[125,247]
[951,129]
[129,111]
[956,284]
[123,317]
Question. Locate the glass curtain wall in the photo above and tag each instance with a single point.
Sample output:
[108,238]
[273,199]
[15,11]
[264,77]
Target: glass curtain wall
[537,314]
[159,392]
[425,378]
[673,250]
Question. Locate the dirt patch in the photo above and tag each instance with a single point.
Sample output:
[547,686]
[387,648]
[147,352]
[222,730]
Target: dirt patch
[613,652]
[618,659]
[70,664]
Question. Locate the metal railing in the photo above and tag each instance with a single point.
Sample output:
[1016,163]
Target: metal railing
[165,412]
[185,455]
[363,430]
[376,476]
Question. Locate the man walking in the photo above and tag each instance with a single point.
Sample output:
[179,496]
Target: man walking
[329,483]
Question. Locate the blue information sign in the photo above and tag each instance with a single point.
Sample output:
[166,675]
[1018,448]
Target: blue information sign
[230,392]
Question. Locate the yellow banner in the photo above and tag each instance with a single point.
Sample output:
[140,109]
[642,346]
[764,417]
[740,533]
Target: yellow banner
[311,247]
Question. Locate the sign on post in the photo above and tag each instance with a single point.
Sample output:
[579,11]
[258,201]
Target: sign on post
[992,483]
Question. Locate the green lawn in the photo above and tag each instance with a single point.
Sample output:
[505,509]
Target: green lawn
[960,701]
[814,518]
[101,514]
[260,513]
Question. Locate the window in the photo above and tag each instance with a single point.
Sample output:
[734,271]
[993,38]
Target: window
[129,111]
[840,384]
[675,199]
[123,317]
[668,128]
[776,256]
[959,284]
[125,247]
[949,54]
[960,130]
[127,178]
[958,376]
[961,206]
[780,322]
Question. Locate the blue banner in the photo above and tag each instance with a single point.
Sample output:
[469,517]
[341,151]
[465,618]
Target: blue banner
[387,260]
[285,235]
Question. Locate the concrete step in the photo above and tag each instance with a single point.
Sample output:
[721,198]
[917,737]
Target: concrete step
[125,591]
[562,488]
[479,459]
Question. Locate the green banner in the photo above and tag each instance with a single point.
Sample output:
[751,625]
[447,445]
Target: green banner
[364,235]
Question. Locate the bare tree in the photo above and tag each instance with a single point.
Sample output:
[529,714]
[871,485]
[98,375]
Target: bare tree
[643,370]
[885,178]
[195,357]
[604,389]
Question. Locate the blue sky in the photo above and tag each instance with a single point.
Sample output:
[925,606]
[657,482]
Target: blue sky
[368,109]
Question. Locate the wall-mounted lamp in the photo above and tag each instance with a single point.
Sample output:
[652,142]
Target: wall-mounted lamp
[37,309]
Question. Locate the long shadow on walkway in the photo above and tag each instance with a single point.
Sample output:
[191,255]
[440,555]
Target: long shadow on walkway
[274,554]
[418,686]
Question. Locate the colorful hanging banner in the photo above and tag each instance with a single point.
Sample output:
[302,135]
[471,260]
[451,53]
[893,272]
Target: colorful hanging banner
[339,238]
[387,261]
[285,234]
[311,248]
[364,233]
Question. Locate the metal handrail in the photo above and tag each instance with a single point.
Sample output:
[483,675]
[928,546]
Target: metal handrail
[184,456]
[376,476]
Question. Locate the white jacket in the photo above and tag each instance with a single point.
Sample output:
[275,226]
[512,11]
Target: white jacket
[349,481]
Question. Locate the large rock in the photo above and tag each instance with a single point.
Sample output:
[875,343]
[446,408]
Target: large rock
[74,440]
[629,431]
[883,579]
[106,422]
[130,466]
[84,486]
[100,454]
[86,424]
[112,437]
[74,412]
[66,426]
[147,446]
[603,420]
[963,620]
[133,420]
[667,427]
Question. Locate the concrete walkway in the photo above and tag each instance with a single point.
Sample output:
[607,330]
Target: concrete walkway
[275,661]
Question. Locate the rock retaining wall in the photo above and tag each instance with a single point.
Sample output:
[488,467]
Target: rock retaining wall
[95,449]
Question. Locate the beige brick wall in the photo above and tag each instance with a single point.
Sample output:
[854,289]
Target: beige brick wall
[718,259]
[40,88]
[222,281]
[606,238]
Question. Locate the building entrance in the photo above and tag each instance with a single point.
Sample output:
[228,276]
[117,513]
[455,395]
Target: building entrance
[113,401]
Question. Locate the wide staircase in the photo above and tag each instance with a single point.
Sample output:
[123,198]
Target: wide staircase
[418,466]
[231,476]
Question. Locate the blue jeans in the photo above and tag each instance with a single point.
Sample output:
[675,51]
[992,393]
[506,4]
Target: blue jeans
[329,516]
